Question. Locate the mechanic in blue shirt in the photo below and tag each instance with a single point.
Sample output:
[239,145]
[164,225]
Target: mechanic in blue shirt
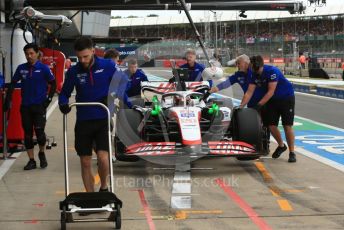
[35,78]
[135,76]
[93,78]
[2,80]
[195,69]
[279,100]
[242,77]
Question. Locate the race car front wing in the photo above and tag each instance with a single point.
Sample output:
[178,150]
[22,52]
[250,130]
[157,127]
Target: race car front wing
[211,148]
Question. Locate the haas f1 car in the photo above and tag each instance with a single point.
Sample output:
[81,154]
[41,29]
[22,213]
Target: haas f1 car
[180,121]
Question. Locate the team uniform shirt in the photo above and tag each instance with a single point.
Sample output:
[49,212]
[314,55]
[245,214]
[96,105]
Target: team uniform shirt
[2,80]
[134,83]
[93,85]
[243,79]
[34,82]
[195,72]
[284,89]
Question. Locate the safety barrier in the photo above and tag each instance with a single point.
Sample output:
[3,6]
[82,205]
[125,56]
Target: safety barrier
[303,88]
[330,92]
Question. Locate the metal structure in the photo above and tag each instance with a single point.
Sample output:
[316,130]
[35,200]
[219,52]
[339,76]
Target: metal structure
[291,5]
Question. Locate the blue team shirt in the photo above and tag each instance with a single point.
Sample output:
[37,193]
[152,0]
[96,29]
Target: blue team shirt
[195,72]
[134,83]
[34,82]
[284,88]
[93,85]
[2,81]
[243,80]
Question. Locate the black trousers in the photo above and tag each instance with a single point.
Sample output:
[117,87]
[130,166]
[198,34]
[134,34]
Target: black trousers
[33,118]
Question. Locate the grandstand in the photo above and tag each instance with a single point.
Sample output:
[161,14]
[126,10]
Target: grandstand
[278,36]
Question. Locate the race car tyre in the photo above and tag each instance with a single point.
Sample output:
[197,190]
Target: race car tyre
[128,121]
[247,127]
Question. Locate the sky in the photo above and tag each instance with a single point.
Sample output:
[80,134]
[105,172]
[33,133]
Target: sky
[144,13]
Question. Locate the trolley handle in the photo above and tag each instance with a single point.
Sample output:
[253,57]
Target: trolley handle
[65,142]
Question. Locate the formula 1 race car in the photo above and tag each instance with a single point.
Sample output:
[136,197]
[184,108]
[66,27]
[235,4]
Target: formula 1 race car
[180,121]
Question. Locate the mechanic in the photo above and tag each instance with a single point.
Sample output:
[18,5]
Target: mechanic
[195,69]
[91,77]
[279,100]
[35,78]
[112,54]
[242,77]
[135,76]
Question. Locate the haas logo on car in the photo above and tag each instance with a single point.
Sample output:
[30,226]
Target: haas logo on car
[152,149]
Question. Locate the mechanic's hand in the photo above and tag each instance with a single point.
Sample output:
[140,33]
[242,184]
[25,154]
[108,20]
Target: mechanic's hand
[6,105]
[172,80]
[65,108]
[258,107]
[47,102]
[214,89]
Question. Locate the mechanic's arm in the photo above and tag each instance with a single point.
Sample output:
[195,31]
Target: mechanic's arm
[271,90]
[223,85]
[52,83]
[66,91]
[248,95]
[119,86]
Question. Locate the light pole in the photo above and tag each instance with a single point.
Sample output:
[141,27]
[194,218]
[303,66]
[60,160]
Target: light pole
[215,17]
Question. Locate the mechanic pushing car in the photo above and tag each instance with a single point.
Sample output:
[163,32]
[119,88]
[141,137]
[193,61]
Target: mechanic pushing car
[279,100]
[135,77]
[91,78]
[35,78]
[242,77]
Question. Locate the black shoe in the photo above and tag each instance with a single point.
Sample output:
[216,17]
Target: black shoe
[292,157]
[30,165]
[279,150]
[43,160]
[104,190]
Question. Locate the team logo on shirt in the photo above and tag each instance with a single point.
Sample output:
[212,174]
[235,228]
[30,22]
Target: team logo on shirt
[99,71]
[82,77]
[273,76]
[24,73]
[37,71]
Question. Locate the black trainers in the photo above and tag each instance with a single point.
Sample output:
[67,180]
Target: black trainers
[30,165]
[43,160]
[292,157]
[279,150]
[104,190]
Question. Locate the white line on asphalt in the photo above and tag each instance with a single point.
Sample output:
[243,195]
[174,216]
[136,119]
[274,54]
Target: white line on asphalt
[6,165]
[319,123]
[319,96]
[321,159]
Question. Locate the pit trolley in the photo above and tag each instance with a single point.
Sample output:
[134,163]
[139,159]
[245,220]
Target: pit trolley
[89,202]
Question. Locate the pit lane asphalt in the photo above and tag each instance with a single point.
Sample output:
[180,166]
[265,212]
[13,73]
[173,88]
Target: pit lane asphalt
[225,193]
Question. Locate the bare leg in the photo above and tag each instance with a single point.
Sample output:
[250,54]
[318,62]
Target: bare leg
[289,134]
[41,148]
[277,135]
[86,173]
[103,167]
[30,153]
